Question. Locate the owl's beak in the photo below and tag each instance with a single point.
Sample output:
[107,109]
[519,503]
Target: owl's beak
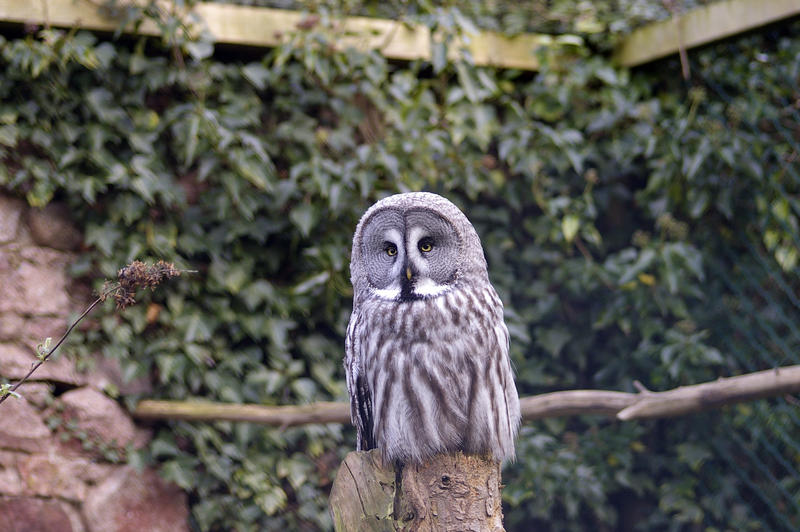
[408,272]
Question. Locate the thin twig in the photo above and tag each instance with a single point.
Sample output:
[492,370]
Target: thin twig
[43,359]
[675,9]
[133,276]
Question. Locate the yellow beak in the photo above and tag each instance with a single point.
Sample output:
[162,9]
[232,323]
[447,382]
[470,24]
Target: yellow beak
[408,273]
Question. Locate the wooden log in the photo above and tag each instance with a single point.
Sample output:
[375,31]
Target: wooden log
[362,496]
[448,493]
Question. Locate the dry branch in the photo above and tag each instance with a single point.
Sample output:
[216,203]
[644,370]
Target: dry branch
[623,406]
[284,416]
[131,277]
[699,397]
[573,403]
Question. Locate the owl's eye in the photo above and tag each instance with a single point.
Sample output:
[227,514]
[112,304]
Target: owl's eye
[425,245]
[390,249]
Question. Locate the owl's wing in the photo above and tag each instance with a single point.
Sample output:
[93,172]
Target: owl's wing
[361,413]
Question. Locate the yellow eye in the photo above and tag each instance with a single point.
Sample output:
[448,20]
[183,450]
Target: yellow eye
[425,246]
[391,251]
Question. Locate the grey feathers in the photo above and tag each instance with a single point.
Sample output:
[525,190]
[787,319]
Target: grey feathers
[426,350]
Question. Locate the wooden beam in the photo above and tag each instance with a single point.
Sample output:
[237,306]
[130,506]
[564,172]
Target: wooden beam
[260,26]
[266,27]
[700,26]
[65,14]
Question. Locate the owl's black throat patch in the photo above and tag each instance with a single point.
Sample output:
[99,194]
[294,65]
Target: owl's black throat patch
[407,290]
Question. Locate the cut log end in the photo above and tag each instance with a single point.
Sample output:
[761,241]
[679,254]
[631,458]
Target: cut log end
[446,493]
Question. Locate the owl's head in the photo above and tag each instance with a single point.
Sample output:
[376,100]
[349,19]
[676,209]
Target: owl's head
[414,246]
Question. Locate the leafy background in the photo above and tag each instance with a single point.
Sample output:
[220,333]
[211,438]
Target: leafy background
[637,226]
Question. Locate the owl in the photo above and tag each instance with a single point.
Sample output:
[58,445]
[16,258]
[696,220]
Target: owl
[426,351]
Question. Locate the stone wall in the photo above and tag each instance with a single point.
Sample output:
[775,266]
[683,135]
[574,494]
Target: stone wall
[53,474]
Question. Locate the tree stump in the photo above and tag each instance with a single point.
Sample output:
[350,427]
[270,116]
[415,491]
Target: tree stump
[448,493]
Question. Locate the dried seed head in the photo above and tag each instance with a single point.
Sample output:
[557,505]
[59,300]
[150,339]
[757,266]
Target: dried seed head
[138,275]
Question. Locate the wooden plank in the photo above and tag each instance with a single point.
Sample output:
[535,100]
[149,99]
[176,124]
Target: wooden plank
[260,26]
[701,26]
[266,27]
[63,13]
[493,49]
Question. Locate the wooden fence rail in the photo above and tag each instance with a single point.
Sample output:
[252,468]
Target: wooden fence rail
[267,27]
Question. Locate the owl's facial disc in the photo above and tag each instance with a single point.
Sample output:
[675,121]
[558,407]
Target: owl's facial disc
[410,255]
[423,255]
[391,255]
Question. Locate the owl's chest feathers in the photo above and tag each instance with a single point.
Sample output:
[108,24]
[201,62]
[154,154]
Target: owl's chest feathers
[430,332]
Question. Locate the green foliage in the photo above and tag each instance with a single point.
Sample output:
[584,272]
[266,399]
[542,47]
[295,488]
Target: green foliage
[618,210]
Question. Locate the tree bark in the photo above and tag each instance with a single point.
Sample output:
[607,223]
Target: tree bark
[447,493]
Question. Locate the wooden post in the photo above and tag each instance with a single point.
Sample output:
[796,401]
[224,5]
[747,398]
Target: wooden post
[448,493]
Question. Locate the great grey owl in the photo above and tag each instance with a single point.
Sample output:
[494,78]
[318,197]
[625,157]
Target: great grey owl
[426,357]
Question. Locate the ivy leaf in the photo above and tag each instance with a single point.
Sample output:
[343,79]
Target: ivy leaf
[467,83]
[105,237]
[569,226]
[271,500]
[9,135]
[256,74]
[199,50]
[644,260]
[553,339]
[303,217]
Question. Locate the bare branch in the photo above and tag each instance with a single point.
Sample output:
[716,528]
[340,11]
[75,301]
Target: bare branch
[284,416]
[574,403]
[44,358]
[721,392]
[135,275]
[621,405]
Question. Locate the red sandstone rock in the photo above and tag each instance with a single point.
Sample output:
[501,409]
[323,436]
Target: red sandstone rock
[128,501]
[39,474]
[15,362]
[100,416]
[50,476]
[10,483]
[10,211]
[20,427]
[30,329]
[34,287]
[52,227]
[38,394]
[28,514]
[56,475]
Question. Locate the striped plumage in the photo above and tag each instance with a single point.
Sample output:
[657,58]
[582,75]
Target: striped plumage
[427,350]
